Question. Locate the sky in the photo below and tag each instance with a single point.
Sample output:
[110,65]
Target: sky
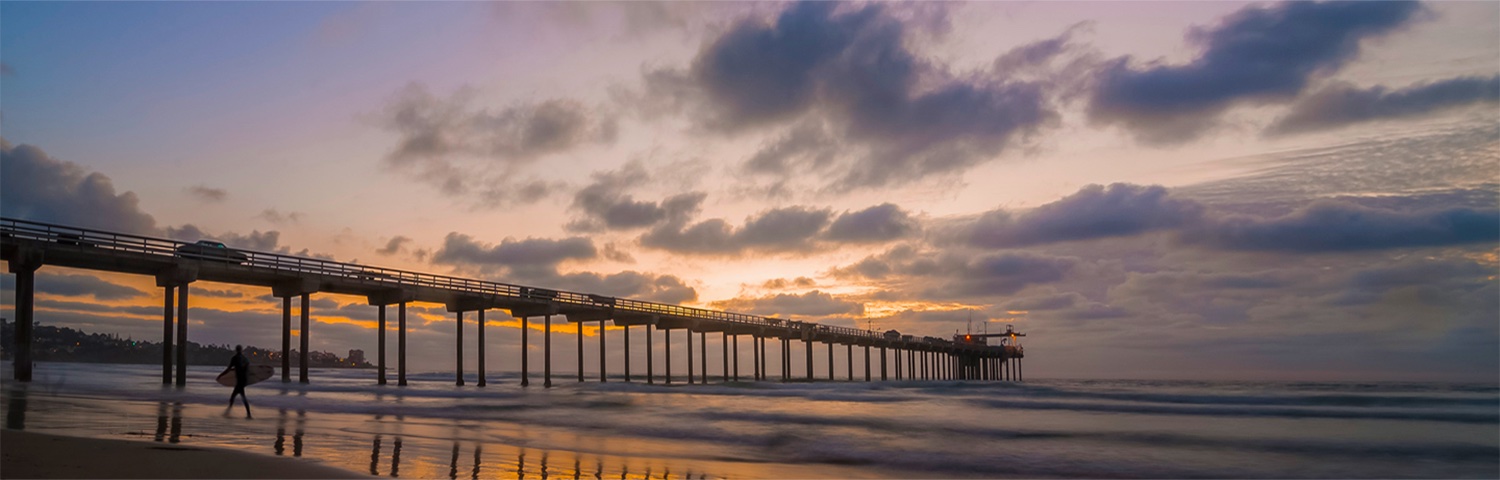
[1196,190]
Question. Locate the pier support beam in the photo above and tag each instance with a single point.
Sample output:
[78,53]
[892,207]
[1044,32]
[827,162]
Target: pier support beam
[401,344]
[547,351]
[525,353]
[650,356]
[24,265]
[882,364]
[627,351]
[702,360]
[480,366]
[867,363]
[849,356]
[736,358]
[690,355]
[603,367]
[755,350]
[809,346]
[726,355]
[1020,377]
[580,351]
[897,352]
[458,348]
[380,345]
[667,344]
[166,350]
[786,359]
[286,339]
[302,335]
[182,343]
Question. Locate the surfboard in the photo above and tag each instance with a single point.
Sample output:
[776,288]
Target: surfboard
[258,373]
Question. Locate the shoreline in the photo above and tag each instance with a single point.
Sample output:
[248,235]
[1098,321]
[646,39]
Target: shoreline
[43,455]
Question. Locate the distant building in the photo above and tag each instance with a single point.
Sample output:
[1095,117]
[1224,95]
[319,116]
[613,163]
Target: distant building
[356,356]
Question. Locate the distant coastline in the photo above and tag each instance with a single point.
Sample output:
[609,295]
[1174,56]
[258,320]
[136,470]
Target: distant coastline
[62,344]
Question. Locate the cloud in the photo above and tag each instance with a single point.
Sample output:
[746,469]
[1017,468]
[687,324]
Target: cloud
[626,284]
[929,275]
[84,285]
[789,229]
[534,261]
[1344,104]
[805,147]
[1334,226]
[1093,212]
[1454,277]
[269,241]
[607,207]
[812,304]
[206,194]
[880,223]
[209,292]
[35,186]
[785,283]
[1258,54]
[276,217]
[851,68]
[528,255]
[459,147]
[393,246]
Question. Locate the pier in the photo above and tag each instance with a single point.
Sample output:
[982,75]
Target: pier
[27,246]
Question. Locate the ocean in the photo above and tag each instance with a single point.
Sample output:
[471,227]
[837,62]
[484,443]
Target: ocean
[827,429]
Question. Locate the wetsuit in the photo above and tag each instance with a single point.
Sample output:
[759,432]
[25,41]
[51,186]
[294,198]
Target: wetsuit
[241,367]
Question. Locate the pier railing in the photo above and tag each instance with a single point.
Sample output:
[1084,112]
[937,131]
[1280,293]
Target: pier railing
[291,264]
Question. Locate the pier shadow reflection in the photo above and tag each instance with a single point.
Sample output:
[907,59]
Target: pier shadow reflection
[298,426]
[168,422]
[15,413]
[468,460]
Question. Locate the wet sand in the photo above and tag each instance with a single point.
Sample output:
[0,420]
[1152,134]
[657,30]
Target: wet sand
[40,455]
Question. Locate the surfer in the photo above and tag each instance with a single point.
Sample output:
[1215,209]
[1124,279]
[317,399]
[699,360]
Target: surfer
[241,367]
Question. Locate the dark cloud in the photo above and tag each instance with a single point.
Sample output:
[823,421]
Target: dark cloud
[606,206]
[1094,212]
[627,284]
[806,147]
[463,148]
[209,292]
[880,223]
[207,194]
[785,283]
[84,285]
[813,304]
[435,127]
[1332,226]
[35,186]
[393,246]
[852,67]
[1257,54]
[257,240]
[1057,301]
[276,217]
[529,255]
[948,275]
[790,229]
[1433,277]
[1345,104]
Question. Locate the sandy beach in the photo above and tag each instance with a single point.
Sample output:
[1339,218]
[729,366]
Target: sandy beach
[40,455]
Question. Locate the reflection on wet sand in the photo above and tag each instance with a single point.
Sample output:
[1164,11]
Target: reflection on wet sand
[166,422]
[280,445]
[15,415]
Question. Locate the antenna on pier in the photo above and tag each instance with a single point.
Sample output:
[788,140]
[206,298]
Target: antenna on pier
[970,327]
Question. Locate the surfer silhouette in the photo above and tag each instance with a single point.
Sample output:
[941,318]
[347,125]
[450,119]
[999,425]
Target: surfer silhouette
[241,367]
